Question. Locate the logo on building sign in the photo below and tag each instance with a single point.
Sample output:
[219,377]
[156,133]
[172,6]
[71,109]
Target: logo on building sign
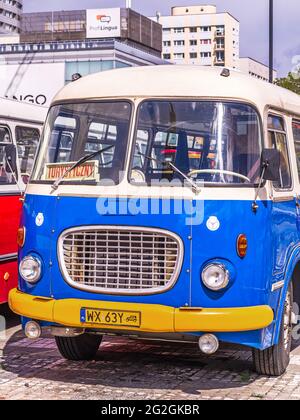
[31,99]
[103,23]
[104,18]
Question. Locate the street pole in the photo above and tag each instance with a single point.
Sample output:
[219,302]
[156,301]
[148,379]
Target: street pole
[271,40]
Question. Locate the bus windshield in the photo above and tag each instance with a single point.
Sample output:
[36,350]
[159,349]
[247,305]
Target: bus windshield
[6,177]
[73,131]
[211,142]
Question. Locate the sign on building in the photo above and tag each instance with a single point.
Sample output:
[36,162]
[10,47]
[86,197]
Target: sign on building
[103,23]
[31,82]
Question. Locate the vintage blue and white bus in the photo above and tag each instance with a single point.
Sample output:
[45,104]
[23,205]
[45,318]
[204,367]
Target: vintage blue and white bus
[164,204]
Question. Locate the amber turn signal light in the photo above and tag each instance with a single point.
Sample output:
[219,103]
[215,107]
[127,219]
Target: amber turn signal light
[242,246]
[21,236]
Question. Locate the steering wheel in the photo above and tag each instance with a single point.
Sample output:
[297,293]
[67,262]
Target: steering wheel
[218,171]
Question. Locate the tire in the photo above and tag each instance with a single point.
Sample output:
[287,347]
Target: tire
[83,347]
[275,360]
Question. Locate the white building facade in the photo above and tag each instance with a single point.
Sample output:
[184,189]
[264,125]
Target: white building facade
[201,36]
[255,69]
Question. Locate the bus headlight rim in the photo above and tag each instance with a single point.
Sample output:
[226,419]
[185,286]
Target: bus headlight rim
[215,276]
[30,269]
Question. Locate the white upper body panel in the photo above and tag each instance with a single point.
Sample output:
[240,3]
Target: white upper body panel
[180,81]
[20,111]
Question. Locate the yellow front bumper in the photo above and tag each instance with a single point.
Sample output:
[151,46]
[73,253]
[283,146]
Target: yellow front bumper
[154,318]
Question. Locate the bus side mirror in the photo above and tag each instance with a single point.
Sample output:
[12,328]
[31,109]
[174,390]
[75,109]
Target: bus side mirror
[271,165]
[10,154]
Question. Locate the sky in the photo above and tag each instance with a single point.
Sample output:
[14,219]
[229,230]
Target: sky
[252,14]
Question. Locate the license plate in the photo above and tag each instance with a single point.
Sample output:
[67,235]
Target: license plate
[110,317]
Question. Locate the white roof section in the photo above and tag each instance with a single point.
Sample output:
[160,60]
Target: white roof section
[182,82]
[21,111]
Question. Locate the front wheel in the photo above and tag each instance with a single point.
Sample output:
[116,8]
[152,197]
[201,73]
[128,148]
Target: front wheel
[83,347]
[275,360]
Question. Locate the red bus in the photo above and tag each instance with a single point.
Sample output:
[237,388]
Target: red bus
[20,129]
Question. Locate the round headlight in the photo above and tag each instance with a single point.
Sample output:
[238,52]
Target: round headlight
[30,269]
[215,277]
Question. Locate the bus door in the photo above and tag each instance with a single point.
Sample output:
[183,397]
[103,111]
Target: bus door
[285,212]
[10,208]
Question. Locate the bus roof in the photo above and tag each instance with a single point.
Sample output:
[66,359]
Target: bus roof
[22,111]
[180,81]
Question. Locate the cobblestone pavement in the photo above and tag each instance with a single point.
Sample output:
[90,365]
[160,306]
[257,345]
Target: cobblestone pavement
[127,369]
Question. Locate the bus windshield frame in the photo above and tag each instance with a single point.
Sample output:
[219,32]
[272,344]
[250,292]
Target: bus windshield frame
[172,133]
[81,127]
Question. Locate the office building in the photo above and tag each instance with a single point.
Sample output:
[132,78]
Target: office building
[200,35]
[54,46]
[10,16]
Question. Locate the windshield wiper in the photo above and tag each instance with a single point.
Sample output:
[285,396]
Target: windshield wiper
[192,183]
[81,161]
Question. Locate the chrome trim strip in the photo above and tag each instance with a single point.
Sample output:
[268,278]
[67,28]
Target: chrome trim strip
[126,292]
[283,199]
[8,258]
[278,285]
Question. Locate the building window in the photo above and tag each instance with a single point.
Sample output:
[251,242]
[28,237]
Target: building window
[193,42]
[193,55]
[89,67]
[193,30]
[179,56]
[167,56]
[205,28]
[220,57]
[179,43]
[167,43]
[220,30]
[205,41]
[205,54]
[166,30]
[178,30]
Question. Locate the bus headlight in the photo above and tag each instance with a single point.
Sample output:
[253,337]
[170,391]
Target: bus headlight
[30,269]
[215,277]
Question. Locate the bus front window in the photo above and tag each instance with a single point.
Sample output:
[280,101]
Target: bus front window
[211,142]
[73,131]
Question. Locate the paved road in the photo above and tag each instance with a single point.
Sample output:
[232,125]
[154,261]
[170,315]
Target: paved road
[127,369]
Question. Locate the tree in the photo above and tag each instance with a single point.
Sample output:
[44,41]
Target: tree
[291,82]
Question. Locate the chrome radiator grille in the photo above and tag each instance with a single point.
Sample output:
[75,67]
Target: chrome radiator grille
[119,260]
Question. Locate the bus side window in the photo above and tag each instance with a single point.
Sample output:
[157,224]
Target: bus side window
[278,138]
[5,138]
[296,131]
[27,143]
